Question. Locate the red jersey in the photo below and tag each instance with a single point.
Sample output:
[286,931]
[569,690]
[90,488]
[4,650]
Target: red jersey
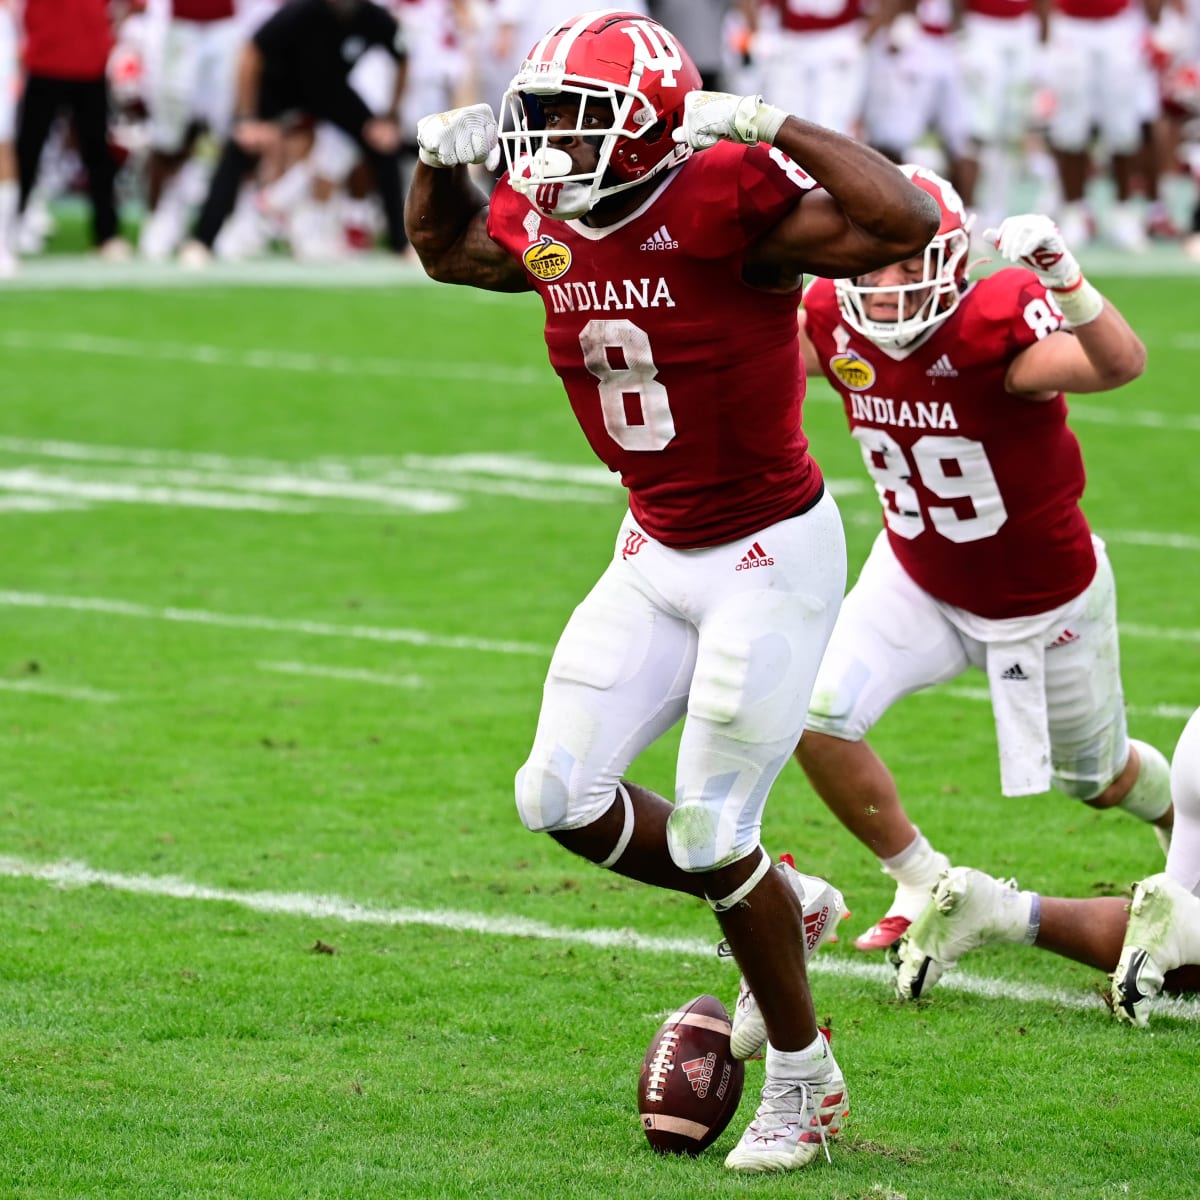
[980,488]
[682,377]
[807,16]
[1091,10]
[202,11]
[67,39]
[1002,9]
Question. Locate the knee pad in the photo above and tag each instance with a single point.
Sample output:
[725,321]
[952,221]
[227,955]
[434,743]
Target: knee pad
[547,800]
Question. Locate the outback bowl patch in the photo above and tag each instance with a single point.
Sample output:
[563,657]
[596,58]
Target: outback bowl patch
[546,258]
[856,373]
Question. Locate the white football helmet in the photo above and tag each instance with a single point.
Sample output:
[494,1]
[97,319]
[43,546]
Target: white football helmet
[927,301]
[624,59]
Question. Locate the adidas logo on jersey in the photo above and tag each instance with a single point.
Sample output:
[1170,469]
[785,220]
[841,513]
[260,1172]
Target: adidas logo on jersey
[1015,672]
[660,239]
[756,556]
[943,368]
[1063,639]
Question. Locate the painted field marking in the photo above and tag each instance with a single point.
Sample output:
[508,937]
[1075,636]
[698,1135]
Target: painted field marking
[70,875]
[349,674]
[373,633]
[61,691]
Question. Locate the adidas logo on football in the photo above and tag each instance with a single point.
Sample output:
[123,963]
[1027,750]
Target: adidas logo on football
[943,368]
[660,239]
[699,1072]
[1015,672]
[756,556]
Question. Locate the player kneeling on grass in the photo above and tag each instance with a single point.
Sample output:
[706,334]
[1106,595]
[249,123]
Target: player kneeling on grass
[666,230]
[954,390]
[1148,946]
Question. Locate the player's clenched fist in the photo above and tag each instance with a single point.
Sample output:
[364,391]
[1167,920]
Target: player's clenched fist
[459,137]
[710,117]
[1033,240]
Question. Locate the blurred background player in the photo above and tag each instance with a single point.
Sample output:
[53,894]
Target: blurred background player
[297,63]
[9,188]
[915,84]
[1148,945]
[190,59]
[812,56]
[700,25]
[67,43]
[599,145]
[954,391]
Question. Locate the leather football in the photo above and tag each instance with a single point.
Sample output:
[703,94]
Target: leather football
[690,1083]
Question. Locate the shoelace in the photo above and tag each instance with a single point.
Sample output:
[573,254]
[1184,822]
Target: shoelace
[778,1090]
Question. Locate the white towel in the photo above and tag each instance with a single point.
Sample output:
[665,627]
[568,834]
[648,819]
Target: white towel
[1016,673]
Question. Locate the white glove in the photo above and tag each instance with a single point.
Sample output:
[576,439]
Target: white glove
[1033,240]
[709,117]
[458,137]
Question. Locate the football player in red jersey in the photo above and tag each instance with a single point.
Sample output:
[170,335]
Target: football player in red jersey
[954,391]
[671,280]
[1149,946]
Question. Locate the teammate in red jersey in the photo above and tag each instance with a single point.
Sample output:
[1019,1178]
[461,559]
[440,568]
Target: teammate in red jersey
[1149,946]
[954,391]
[671,281]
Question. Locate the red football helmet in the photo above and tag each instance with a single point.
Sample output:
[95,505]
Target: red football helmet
[926,301]
[622,59]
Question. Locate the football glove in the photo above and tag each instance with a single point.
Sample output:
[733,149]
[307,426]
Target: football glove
[710,117]
[459,137]
[1033,240]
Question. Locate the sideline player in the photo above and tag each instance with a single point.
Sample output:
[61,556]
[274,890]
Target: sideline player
[671,281]
[954,392]
[9,188]
[1148,946]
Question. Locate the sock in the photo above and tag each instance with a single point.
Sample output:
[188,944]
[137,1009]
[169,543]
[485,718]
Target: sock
[815,1061]
[1150,795]
[915,869]
[8,214]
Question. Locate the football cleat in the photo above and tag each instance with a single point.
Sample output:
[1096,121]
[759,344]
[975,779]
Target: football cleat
[885,933]
[1163,933]
[823,907]
[969,909]
[792,1124]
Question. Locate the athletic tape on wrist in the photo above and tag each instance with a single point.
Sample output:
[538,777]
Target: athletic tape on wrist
[626,830]
[1080,303]
[737,896]
[769,120]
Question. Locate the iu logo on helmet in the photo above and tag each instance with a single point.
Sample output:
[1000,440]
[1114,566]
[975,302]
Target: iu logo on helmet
[546,196]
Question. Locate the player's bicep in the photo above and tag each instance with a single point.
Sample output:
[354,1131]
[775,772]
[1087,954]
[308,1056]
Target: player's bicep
[1055,364]
[475,259]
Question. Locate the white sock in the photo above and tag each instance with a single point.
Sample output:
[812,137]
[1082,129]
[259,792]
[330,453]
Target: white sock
[1150,795]
[8,214]
[815,1061]
[917,866]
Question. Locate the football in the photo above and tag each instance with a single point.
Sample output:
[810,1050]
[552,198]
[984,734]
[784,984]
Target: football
[690,1083]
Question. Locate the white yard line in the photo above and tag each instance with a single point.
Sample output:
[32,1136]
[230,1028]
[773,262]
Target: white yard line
[349,674]
[69,875]
[60,691]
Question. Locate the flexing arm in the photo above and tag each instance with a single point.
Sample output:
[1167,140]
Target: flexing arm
[445,214]
[1101,351]
[869,214]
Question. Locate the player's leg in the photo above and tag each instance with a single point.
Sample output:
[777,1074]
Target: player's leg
[761,637]
[89,109]
[1162,943]
[618,680]
[1070,129]
[864,671]
[1092,758]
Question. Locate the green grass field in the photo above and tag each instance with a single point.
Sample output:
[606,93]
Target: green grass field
[284,565]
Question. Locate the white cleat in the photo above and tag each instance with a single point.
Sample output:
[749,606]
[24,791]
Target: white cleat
[823,908]
[969,910]
[909,902]
[793,1123]
[1163,933]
